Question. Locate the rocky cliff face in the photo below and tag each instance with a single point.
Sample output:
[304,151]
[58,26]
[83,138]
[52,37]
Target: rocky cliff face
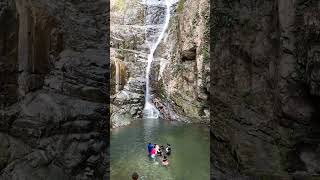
[183,76]
[179,78]
[128,58]
[265,89]
[53,76]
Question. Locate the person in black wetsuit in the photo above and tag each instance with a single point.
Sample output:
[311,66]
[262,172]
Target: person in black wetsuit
[159,151]
[162,150]
[168,149]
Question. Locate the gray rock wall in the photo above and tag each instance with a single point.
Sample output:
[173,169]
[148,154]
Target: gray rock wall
[264,89]
[129,52]
[183,79]
[54,73]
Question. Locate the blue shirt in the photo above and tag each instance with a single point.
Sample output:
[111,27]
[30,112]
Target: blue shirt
[150,146]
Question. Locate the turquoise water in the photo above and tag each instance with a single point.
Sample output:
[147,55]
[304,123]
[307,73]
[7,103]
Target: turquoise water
[190,151]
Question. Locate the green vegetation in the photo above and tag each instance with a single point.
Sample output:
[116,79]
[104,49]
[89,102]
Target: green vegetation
[181,6]
[206,53]
[160,90]
[206,49]
[120,5]
[177,69]
[190,108]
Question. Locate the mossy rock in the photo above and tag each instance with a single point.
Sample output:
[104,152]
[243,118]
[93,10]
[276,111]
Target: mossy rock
[181,6]
[120,119]
[191,109]
[120,5]
[177,69]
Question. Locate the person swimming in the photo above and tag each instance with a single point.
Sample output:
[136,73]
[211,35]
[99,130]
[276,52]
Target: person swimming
[157,146]
[165,161]
[159,150]
[135,176]
[168,149]
[150,146]
[153,152]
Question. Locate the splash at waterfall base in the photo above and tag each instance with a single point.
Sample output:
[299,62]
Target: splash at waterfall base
[150,111]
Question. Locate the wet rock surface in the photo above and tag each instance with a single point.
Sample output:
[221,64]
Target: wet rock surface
[264,89]
[53,66]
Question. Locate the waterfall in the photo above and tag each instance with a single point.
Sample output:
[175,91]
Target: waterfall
[150,111]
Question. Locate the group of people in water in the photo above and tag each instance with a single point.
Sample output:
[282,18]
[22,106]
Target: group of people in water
[155,150]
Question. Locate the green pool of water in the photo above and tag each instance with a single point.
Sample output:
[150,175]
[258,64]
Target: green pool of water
[190,151]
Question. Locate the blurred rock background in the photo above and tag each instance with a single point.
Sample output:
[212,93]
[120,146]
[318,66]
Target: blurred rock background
[53,94]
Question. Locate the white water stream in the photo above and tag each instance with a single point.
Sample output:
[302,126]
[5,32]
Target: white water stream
[150,111]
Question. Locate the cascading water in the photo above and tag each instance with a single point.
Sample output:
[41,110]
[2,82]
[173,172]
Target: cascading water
[150,111]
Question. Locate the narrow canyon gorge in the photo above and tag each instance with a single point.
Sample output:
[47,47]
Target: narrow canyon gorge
[159,87]
[246,69]
[179,76]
